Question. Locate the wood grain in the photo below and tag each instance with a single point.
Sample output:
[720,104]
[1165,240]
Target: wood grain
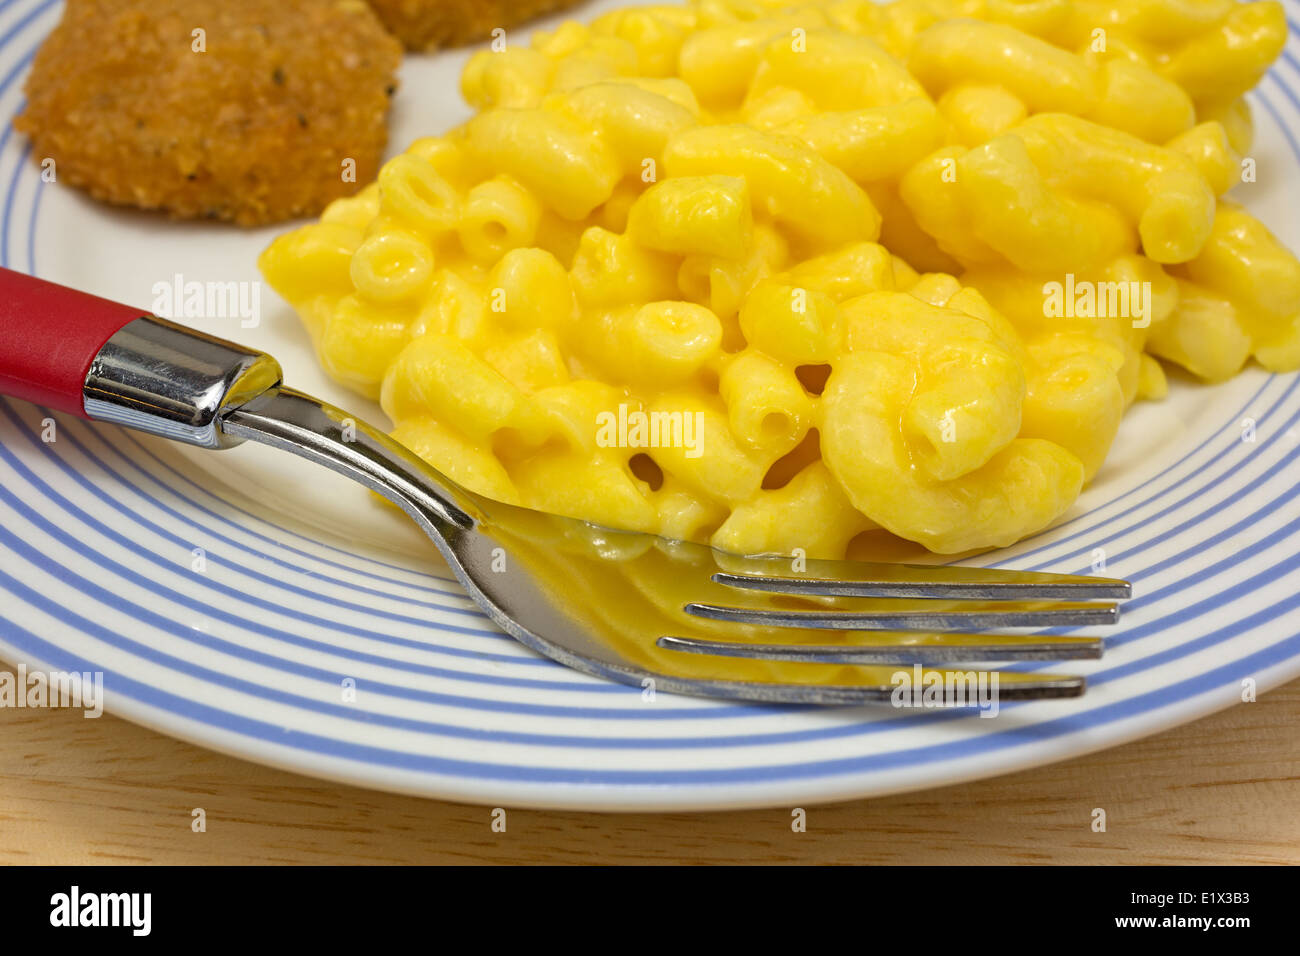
[1223,790]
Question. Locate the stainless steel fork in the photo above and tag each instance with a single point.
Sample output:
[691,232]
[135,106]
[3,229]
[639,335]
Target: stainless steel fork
[632,607]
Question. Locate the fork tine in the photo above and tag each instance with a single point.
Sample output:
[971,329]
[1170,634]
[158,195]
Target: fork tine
[903,648]
[974,617]
[863,579]
[879,686]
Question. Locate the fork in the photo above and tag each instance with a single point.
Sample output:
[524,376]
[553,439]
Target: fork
[662,614]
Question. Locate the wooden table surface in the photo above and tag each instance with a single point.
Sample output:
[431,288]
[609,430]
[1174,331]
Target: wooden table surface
[1225,789]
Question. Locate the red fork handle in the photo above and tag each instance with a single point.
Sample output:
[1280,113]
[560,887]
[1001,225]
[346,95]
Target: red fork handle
[49,334]
[108,362]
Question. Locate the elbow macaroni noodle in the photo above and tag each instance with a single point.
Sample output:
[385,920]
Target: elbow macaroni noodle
[771,275]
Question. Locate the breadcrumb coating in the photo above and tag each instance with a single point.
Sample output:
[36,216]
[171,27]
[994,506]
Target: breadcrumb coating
[238,110]
[433,24]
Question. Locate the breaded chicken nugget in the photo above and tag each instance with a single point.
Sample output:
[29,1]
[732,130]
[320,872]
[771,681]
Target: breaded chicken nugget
[243,110]
[433,24]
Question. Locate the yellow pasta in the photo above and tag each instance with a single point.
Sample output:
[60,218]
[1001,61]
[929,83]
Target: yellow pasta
[767,406]
[498,215]
[694,215]
[795,276]
[415,192]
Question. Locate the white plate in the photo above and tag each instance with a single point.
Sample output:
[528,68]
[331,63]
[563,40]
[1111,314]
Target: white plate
[308,583]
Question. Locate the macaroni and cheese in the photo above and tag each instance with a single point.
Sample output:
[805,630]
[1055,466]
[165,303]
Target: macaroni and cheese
[770,275]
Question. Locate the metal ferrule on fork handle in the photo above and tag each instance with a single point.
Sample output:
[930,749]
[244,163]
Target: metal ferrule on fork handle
[158,377]
[97,359]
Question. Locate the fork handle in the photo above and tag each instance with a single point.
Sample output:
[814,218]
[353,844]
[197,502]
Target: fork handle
[98,359]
